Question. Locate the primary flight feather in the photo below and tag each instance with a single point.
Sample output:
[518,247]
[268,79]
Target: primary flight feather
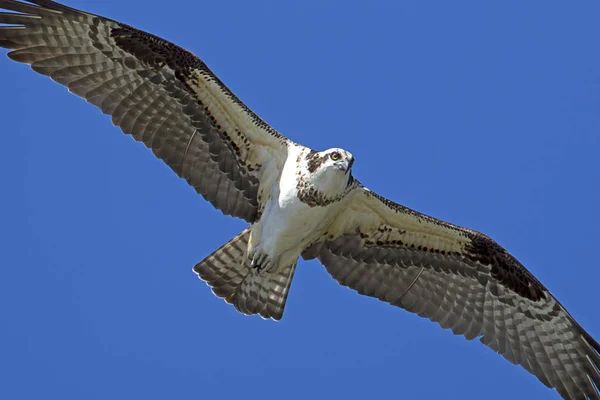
[299,202]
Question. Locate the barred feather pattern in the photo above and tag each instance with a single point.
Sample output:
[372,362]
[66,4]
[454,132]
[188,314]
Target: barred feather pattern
[461,295]
[154,91]
[251,292]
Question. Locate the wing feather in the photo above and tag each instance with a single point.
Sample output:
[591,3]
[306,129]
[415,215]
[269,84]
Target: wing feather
[155,91]
[465,282]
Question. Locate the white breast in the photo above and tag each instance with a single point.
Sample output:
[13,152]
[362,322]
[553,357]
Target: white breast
[289,225]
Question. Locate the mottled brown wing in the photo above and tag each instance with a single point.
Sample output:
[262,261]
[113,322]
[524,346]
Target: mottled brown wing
[161,94]
[464,281]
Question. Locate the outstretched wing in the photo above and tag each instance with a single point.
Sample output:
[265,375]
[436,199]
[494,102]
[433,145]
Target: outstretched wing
[464,281]
[161,94]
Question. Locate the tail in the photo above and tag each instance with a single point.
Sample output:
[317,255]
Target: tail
[226,271]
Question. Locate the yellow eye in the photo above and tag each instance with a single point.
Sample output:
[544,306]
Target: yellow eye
[335,156]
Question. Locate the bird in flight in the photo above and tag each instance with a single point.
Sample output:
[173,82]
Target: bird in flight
[298,202]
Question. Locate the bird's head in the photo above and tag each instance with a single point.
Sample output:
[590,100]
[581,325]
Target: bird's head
[329,161]
[338,160]
[330,170]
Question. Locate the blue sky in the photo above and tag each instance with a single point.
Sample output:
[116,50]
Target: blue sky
[485,114]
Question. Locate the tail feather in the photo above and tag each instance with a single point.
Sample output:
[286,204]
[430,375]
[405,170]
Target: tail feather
[224,270]
[264,293]
[251,292]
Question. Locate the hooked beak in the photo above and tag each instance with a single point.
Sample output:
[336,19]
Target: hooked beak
[350,162]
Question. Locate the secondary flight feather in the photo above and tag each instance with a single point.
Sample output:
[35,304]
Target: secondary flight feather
[298,201]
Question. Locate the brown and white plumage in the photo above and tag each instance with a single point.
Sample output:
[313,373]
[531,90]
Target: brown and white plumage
[159,93]
[168,99]
[464,281]
[243,287]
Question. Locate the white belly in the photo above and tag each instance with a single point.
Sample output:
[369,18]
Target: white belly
[287,225]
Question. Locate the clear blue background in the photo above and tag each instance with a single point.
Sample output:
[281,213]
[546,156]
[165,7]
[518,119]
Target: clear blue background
[485,114]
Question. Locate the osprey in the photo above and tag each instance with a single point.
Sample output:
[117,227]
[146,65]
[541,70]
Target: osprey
[298,202]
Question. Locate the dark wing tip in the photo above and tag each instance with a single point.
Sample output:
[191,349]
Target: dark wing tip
[593,356]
